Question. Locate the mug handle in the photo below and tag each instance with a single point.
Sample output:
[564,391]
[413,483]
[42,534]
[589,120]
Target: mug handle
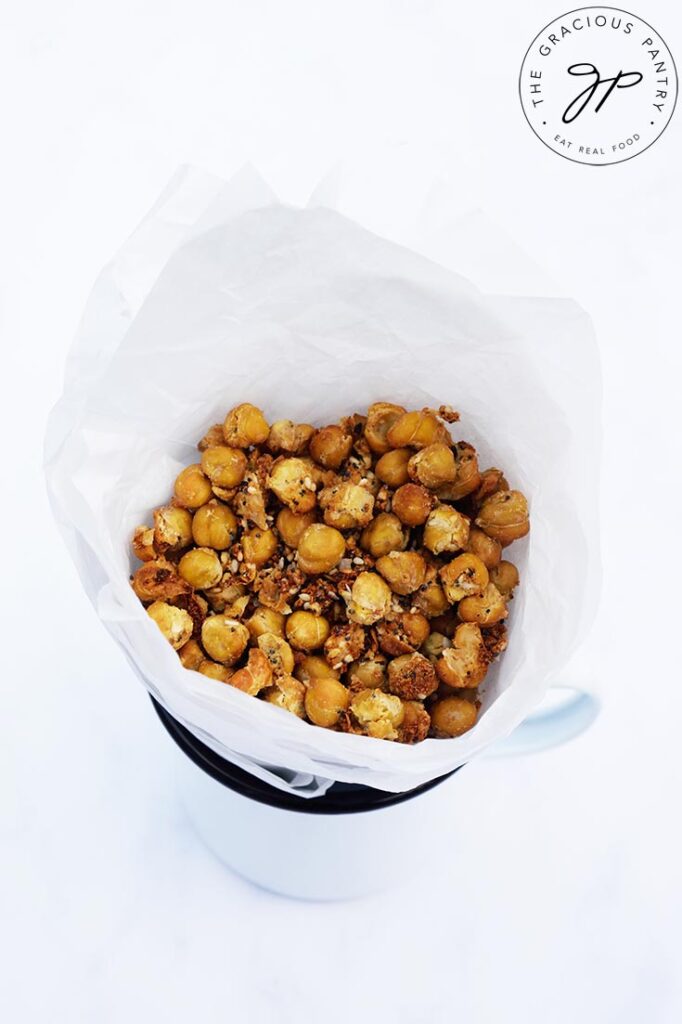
[551,726]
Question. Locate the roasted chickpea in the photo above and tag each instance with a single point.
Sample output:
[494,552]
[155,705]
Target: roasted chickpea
[265,620]
[326,699]
[286,436]
[377,713]
[464,663]
[415,724]
[175,623]
[433,466]
[369,674]
[293,484]
[468,476]
[412,504]
[492,480]
[159,581]
[143,543]
[416,430]
[191,654]
[412,677]
[434,645]
[258,545]
[278,652]
[505,576]
[385,533]
[201,568]
[370,599]
[286,692]
[320,549]
[486,608]
[347,506]
[214,526]
[192,488]
[504,516]
[224,639]
[224,466]
[227,595]
[484,547]
[245,425]
[402,635]
[464,576]
[345,644]
[446,529]
[313,666]
[213,437]
[405,571]
[306,631]
[452,716]
[391,468]
[430,600]
[256,676]
[172,529]
[331,446]
[292,527]
[380,418]
[221,673]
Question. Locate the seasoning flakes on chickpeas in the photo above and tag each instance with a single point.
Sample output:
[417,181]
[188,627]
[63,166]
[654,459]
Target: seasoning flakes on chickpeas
[351,574]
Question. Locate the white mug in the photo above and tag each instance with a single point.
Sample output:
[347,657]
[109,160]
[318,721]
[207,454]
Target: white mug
[353,840]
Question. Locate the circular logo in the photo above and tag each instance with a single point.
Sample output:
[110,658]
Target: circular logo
[598,85]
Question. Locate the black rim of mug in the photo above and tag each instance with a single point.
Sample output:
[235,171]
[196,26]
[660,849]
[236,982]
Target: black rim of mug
[340,798]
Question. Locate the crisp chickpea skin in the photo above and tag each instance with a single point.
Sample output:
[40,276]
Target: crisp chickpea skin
[143,543]
[224,466]
[446,529]
[214,670]
[370,599]
[484,547]
[201,568]
[214,525]
[175,623]
[245,425]
[287,436]
[320,549]
[463,664]
[291,527]
[258,546]
[288,693]
[191,654]
[487,608]
[433,466]
[504,516]
[505,576]
[347,506]
[377,713]
[405,571]
[468,476]
[464,576]
[306,631]
[412,504]
[412,677]
[392,469]
[380,418]
[452,716]
[416,430]
[431,600]
[278,652]
[384,534]
[331,446]
[265,620]
[434,645]
[256,675]
[293,484]
[369,674]
[224,639]
[313,666]
[326,700]
[192,487]
[172,529]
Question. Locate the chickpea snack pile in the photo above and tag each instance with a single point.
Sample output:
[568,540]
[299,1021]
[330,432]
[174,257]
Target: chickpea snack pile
[351,574]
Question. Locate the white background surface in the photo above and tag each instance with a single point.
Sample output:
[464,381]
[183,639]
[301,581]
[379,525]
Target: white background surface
[562,902]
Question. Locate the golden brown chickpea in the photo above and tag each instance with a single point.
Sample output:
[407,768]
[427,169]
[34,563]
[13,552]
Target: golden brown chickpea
[346,643]
[192,488]
[464,576]
[405,571]
[412,504]
[159,581]
[313,666]
[175,623]
[331,446]
[221,673]
[484,547]
[504,516]
[244,426]
[486,608]
[446,529]
[306,631]
[213,437]
[172,528]
[224,639]
[226,595]
[191,654]
[434,645]
[292,482]
[385,533]
[214,526]
[380,418]
[201,568]
[370,599]
[258,546]
[320,549]
[452,716]
[464,663]
[369,674]
[347,506]
[292,527]
[286,436]
[286,692]
[256,676]
[415,724]
[505,576]
[492,480]
[224,466]
[278,652]
[431,600]
[416,627]
[412,677]
[265,620]
[391,468]
[468,475]
[377,713]
[143,543]
[402,635]
[433,466]
[416,430]
[326,699]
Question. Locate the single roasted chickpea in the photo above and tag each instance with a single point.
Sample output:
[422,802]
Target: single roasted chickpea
[288,693]
[484,547]
[370,599]
[191,654]
[402,635]
[320,549]
[201,567]
[434,645]
[265,620]
[405,571]
[391,468]
[504,516]
[213,437]
[380,418]
[377,713]
[346,643]
[214,526]
[468,476]
[175,623]
[192,488]
[291,480]
[492,480]
[143,543]
[505,576]
[286,436]
[416,430]
[412,677]
[368,674]
[326,699]
[446,529]
[416,627]
[172,528]
[486,608]
[278,652]
[412,504]
[331,446]
[452,716]
[224,466]
[224,639]
[415,724]
[464,576]
[258,545]
[347,506]
[433,466]
[291,527]
[245,425]
[431,600]
[212,669]
[256,676]
[306,631]
[385,533]
[313,666]
[464,663]
[159,581]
